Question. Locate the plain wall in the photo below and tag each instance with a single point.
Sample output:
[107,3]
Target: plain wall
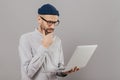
[82,22]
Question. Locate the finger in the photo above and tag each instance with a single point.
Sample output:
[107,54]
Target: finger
[75,68]
[50,35]
[78,69]
[70,71]
[43,33]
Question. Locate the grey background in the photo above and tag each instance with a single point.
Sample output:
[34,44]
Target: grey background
[82,22]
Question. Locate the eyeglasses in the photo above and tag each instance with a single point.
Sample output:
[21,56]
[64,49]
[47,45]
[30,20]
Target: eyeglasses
[56,23]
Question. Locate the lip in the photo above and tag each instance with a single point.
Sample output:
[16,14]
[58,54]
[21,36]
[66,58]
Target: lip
[50,30]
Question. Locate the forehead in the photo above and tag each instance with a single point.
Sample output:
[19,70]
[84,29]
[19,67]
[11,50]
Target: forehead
[51,17]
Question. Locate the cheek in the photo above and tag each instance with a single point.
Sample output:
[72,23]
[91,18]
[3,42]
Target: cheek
[43,25]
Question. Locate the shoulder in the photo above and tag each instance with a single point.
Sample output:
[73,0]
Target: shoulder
[26,36]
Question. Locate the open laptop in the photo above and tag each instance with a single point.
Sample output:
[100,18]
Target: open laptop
[81,56]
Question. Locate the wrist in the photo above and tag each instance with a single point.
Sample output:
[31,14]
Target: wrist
[45,45]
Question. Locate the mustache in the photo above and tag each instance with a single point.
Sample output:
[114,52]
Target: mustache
[47,30]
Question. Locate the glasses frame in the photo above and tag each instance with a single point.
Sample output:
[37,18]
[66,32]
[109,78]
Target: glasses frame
[56,23]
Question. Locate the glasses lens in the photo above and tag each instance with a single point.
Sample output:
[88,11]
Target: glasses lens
[57,23]
[51,23]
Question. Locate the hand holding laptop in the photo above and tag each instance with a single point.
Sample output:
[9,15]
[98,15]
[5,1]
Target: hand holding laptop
[75,69]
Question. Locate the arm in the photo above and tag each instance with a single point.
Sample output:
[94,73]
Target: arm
[29,63]
[61,62]
[64,73]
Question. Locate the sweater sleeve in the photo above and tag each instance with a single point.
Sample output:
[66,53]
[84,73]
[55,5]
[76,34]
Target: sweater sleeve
[61,74]
[29,63]
[61,63]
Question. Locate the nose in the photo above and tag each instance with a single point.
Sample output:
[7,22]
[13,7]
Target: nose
[51,25]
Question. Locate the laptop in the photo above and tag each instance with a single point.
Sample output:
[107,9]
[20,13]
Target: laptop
[81,56]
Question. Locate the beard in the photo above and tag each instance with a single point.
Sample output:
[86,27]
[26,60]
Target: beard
[47,30]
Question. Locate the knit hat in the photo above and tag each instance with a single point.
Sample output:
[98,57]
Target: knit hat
[48,9]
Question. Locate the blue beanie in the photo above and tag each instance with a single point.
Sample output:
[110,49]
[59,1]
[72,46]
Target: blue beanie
[48,9]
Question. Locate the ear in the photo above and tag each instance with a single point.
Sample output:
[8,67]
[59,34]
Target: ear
[39,19]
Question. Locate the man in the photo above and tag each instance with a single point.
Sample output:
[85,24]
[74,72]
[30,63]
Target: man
[40,51]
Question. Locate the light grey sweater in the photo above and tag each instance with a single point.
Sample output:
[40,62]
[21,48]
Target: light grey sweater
[38,62]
